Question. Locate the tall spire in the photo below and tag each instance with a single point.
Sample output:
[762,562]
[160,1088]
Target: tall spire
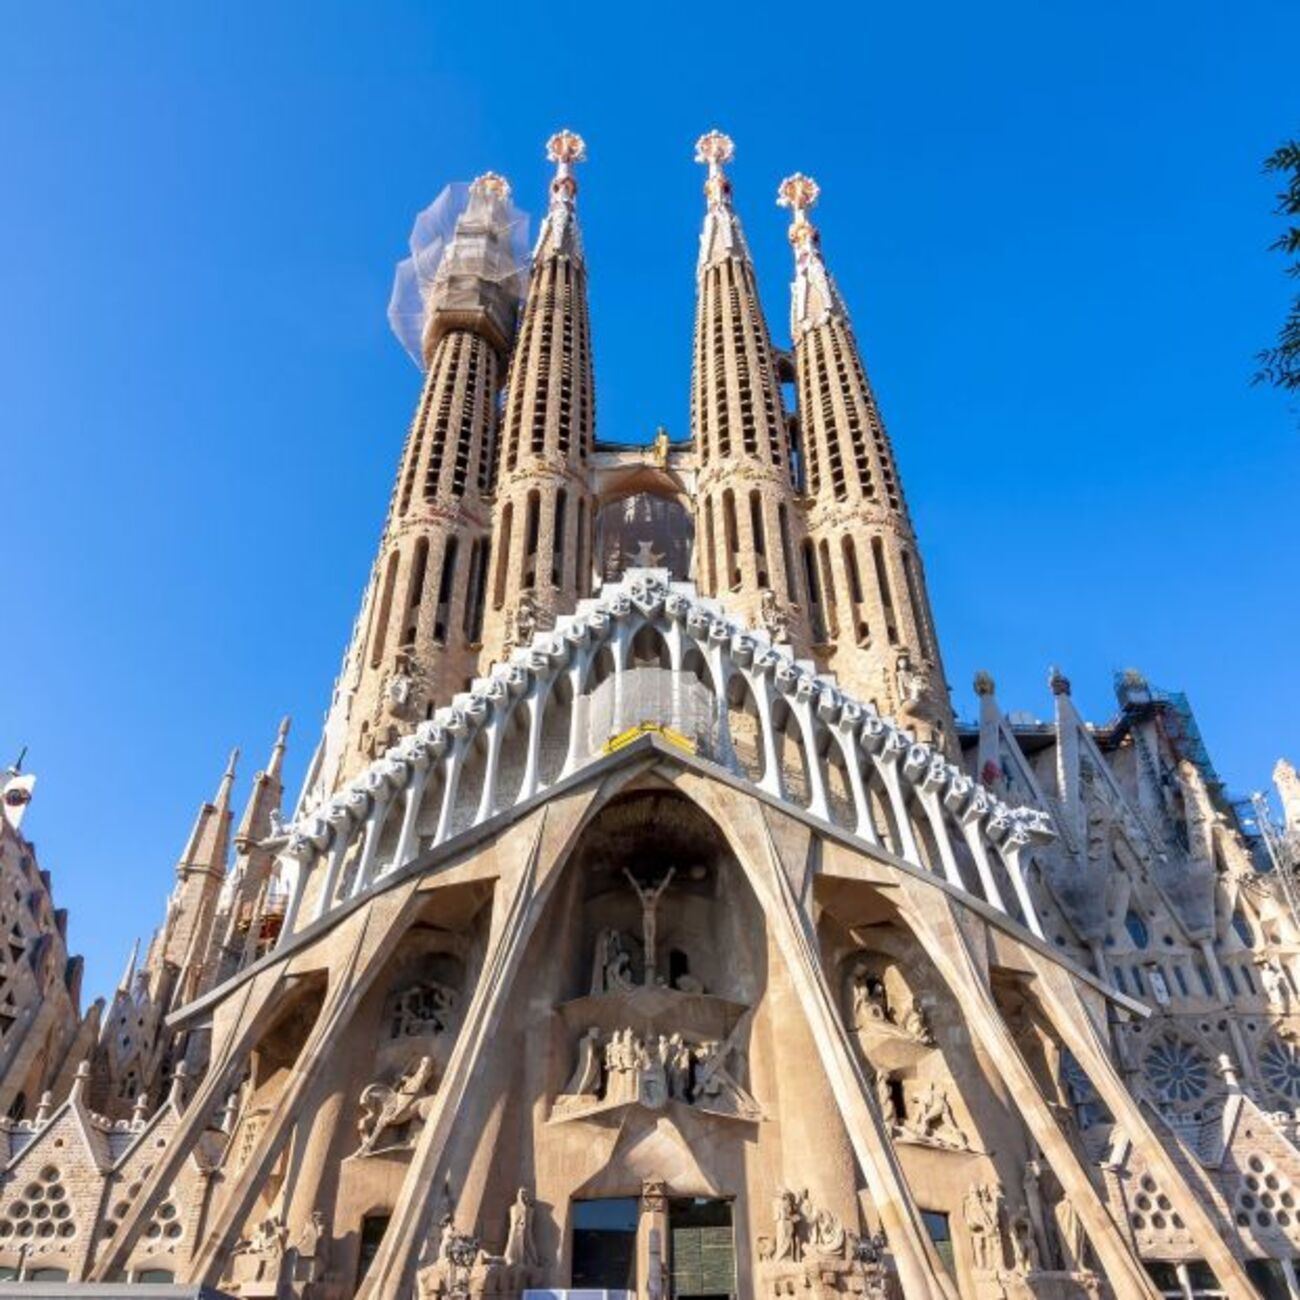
[415,643]
[814,296]
[745,507]
[559,232]
[542,518]
[870,611]
[722,235]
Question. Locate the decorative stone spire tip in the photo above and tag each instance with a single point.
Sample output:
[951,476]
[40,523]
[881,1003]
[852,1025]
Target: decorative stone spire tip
[714,149]
[493,184]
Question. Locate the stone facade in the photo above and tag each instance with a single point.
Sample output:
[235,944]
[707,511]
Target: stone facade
[649,923]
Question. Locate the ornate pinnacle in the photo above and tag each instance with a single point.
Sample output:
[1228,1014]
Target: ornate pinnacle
[714,148]
[566,146]
[799,193]
[564,149]
[492,184]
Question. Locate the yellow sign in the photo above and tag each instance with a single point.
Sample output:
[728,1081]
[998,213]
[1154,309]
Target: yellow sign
[625,738]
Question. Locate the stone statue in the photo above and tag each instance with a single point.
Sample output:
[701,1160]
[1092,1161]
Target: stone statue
[981,1210]
[384,1107]
[773,618]
[649,906]
[934,1120]
[312,1249]
[827,1235]
[425,1008]
[521,1251]
[788,1219]
[885,1098]
[585,1080]
[873,1014]
[611,967]
[265,1247]
[869,1006]
[914,1024]
[1024,1248]
[1273,977]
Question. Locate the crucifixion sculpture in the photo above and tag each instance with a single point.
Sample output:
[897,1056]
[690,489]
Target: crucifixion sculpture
[649,905]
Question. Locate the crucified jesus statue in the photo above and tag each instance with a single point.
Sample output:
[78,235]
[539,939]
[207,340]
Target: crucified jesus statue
[649,903]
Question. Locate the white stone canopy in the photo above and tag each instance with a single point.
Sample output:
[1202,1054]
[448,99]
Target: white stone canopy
[650,655]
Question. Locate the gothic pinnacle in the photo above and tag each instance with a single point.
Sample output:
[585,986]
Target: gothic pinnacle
[714,149]
[559,232]
[493,184]
[721,236]
[277,750]
[227,780]
[564,149]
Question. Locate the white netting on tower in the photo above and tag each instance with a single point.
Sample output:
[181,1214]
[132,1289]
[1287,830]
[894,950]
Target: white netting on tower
[471,230]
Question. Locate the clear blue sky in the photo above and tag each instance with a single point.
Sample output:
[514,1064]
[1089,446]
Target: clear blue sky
[1048,219]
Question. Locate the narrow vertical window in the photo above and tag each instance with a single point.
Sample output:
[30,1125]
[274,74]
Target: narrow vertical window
[476,590]
[503,557]
[710,555]
[814,593]
[732,537]
[828,588]
[580,552]
[415,592]
[380,632]
[886,596]
[919,611]
[446,588]
[787,557]
[854,575]
[557,544]
[760,541]
[532,528]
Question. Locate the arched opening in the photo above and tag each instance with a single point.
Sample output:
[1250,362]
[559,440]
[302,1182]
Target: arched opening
[503,557]
[745,729]
[791,755]
[645,531]
[512,757]
[557,713]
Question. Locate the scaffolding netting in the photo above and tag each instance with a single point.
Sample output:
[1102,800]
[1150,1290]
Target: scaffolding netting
[487,237]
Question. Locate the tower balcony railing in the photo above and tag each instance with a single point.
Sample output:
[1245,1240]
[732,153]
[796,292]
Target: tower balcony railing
[650,655]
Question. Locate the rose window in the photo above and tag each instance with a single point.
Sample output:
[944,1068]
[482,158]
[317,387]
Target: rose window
[1177,1070]
[1279,1063]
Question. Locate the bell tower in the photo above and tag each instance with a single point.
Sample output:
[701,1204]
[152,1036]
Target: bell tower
[869,609]
[416,641]
[541,521]
[747,527]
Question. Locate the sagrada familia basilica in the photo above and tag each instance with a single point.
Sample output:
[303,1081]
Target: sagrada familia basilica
[649,924]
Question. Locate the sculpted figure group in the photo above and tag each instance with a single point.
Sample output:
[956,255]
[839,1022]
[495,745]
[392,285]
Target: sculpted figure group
[625,1067]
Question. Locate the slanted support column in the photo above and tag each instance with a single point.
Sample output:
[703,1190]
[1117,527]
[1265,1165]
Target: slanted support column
[536,706]
[772,780]
[1069,1017]
[1012,850]
[378,928]
[374,826]
[414,796]
[578,714]
[338,850]
[455,761]
[247,1019]
[515,912]
[919,1271]
[933,917]
[496,729]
